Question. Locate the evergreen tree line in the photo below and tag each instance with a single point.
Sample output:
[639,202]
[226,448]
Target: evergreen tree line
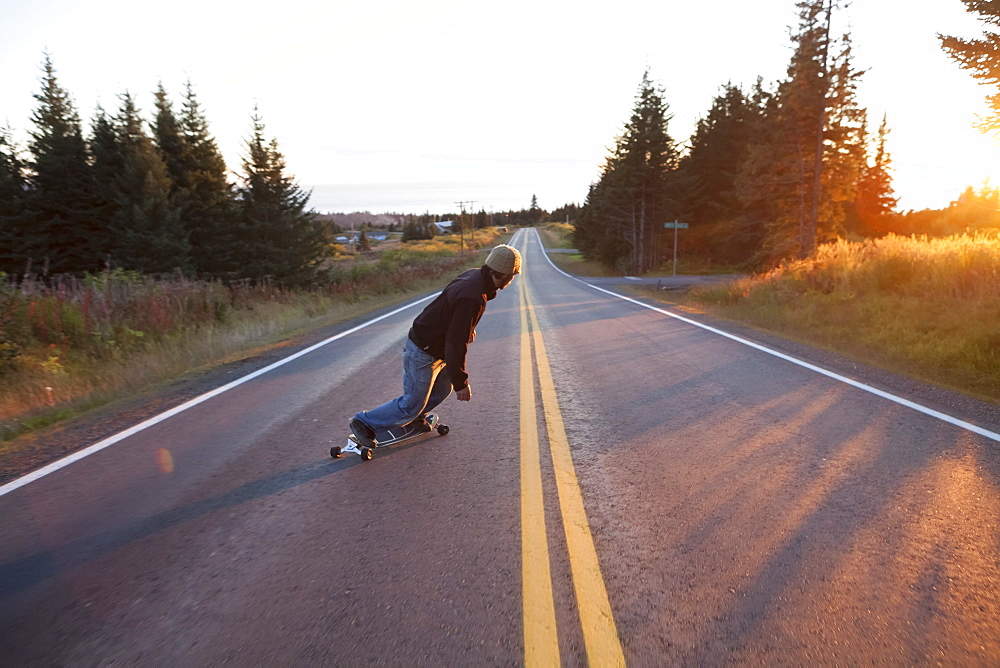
[533,215]
[419,227]
[151,197]
[768,173]
[422,227]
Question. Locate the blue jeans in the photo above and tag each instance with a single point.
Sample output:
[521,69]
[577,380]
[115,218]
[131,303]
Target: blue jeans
[424,387]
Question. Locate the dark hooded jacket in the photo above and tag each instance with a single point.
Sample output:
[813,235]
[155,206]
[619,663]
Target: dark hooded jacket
[446,326]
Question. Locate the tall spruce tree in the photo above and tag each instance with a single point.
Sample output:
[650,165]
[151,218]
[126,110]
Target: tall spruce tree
[199,185]
[534,211]
[168,138]
[281,239]
[981,56]
[481,220]
[844,146]
[875,204]
[61,191]
[769,177]
[621,225]
[710,167]
[760,180]
[708,175]
[794,138]
[410,229]
[13,191]
[147,222]
[106,163]
[802,168]
[212,218]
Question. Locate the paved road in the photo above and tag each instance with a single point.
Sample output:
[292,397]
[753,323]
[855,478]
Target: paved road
[625,487]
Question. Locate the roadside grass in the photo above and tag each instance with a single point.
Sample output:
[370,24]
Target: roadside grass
[576,264]
[557,235]
[560,236]
[925,308]
[70,345]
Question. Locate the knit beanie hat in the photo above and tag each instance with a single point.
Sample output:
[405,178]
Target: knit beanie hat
[504,259]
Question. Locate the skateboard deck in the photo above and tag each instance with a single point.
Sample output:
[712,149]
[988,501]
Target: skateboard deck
[391,437]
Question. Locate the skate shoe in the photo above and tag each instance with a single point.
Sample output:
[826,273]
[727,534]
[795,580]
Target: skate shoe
[363,433]
[424,423]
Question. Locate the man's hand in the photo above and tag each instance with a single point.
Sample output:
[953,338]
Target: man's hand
[464,394]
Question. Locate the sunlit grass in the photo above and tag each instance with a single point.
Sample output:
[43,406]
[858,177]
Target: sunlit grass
[928,308]
[557,235]
[560,236]
[576,264]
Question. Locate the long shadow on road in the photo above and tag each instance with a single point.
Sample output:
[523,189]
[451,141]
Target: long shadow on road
[16,576]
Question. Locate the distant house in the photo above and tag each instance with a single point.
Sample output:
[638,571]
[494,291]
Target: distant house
[444,226]
[353,239]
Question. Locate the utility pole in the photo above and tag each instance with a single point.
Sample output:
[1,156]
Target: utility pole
[461,223]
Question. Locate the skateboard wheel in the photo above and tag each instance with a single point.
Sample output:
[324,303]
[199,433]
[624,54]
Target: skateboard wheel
[443,429]
[335,452]
[366,453]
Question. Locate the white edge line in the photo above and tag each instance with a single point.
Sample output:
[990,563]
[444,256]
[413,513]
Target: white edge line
[111,440]
[861,386]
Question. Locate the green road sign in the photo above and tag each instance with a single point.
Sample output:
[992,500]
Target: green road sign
[675,226]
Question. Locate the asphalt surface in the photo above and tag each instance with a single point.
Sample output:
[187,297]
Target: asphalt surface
[742,509]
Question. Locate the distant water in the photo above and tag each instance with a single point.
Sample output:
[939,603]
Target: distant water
[417,198]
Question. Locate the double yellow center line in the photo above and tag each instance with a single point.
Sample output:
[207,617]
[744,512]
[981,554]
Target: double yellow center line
[541,641]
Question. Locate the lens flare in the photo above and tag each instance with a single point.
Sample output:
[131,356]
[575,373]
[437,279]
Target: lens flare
[165,460]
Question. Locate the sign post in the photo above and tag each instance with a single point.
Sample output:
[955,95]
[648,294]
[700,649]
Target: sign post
[675,226]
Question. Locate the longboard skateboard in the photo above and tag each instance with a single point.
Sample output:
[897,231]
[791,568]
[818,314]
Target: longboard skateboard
[391,437]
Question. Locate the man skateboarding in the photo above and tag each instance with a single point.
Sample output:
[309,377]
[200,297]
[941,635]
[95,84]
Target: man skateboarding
[435,349]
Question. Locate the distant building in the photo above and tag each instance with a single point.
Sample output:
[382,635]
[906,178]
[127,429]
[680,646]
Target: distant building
[444,226]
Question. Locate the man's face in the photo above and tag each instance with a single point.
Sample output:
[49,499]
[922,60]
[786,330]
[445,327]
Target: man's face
[502,281]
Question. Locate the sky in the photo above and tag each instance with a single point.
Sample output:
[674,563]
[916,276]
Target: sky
[414,106]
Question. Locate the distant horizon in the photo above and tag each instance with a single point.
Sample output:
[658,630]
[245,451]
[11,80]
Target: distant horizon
[422,198]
